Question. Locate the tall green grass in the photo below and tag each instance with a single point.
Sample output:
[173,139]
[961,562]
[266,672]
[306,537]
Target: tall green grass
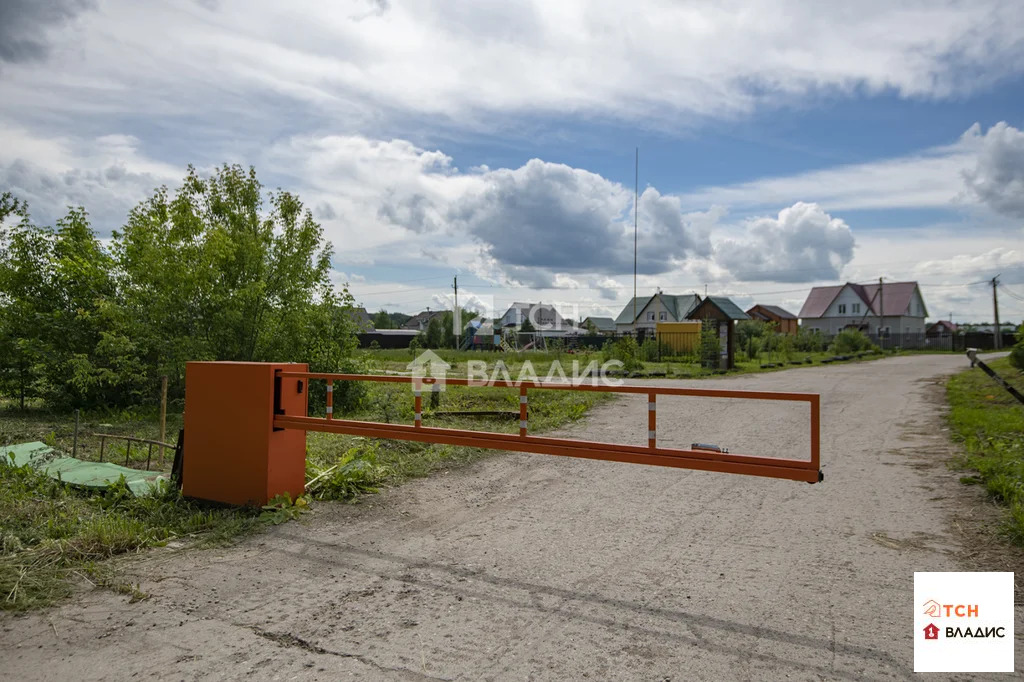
[990,424]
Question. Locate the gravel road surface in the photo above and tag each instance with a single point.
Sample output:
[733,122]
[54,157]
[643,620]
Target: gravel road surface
[537,567]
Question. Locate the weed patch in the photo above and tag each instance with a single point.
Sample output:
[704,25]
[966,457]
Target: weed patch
[52,534]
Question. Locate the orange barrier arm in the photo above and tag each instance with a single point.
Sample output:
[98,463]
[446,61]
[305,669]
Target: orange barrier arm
[807,470]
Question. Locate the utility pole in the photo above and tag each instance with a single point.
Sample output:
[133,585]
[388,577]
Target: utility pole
[881,306]
[636,198]
[995,311]
[457,314]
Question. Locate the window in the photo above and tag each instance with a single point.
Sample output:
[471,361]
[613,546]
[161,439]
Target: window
[842,308]
[662,316]
[650,317]
[856,307]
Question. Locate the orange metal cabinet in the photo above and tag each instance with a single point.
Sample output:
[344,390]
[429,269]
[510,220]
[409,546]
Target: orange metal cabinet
[233,454]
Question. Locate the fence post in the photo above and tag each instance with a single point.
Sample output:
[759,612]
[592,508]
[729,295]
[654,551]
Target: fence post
[651,420]
[163,419]
[522,411]
[74,445]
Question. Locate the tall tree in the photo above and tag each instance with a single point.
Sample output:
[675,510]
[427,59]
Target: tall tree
[219,272]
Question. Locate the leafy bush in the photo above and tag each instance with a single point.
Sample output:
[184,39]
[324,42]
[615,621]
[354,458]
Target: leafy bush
[626,351]
[851,341]
[357,471]
[809,341]
[649,350]
[1017,352]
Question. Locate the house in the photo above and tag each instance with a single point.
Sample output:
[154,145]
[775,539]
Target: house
[650,310]
[361,318]
[420,321]
[887,308]
[603,325]
[724,314]
[784,320]
[542,317]
[940,329]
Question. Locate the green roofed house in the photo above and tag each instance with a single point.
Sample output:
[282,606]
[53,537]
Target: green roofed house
[603,325]
[724,314]
[650,310]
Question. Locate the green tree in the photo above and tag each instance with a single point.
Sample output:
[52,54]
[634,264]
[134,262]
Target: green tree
[710,345]
[527,326]
[60,305]
[220,272]
[382,320]
[434,334]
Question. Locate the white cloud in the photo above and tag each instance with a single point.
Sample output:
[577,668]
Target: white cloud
[998,261]
[804,244]
[997,179]
[463,61]
[108,175]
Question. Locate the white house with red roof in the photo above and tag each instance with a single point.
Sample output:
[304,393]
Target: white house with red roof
[892,307]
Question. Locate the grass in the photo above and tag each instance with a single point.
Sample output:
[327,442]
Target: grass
[51,534]
[989,423]
[682,367]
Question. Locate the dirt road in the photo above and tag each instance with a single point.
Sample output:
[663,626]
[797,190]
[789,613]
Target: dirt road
[536,567]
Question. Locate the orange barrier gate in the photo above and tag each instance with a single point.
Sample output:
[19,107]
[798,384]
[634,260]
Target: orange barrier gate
[245,427]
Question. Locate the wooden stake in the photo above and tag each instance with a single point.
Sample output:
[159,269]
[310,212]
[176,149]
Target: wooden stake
[163,416]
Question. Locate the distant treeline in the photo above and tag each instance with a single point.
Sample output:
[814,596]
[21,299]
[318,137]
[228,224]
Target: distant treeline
[220,270]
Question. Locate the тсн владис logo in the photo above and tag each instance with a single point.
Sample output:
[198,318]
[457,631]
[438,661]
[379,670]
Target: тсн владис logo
[936,610]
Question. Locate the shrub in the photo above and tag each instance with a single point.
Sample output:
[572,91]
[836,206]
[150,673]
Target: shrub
[626,351]
[649,350]
[851,341]
[809,341]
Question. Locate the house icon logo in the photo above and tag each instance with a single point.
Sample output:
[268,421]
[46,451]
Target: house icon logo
[429,364]
[931,631]
[932,608]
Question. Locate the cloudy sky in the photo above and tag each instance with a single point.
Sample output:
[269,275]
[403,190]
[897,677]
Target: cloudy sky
[782,144]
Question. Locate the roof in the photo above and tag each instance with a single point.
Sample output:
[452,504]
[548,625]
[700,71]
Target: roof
[362,319]
[679,306]
[897,295]
[604,324]
[775,310]
[819,300]
[627,316]
[730,310]
[421,319]
[945,324]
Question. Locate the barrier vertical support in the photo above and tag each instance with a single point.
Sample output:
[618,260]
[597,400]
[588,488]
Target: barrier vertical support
[816,432]
[522,411]
[651,421]
[417,392]
[330,399]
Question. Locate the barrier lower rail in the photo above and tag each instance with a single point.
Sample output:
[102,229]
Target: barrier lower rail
[807,470]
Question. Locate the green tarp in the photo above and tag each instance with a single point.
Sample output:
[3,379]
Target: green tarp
[76,472]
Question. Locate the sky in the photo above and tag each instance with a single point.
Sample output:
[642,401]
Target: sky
[782,145]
